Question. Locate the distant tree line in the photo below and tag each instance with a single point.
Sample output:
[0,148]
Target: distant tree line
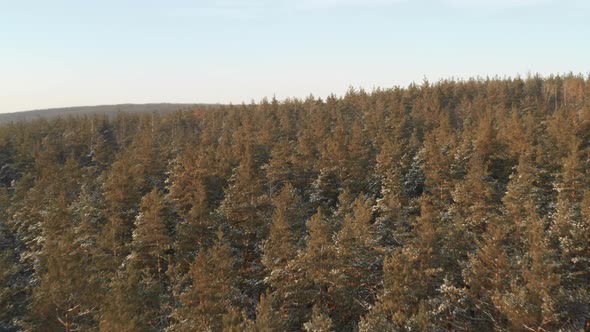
[455,205]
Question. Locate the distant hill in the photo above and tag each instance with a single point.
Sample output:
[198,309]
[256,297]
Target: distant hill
[110,110]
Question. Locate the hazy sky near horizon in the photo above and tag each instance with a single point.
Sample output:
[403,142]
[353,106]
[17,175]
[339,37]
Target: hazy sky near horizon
[70,53]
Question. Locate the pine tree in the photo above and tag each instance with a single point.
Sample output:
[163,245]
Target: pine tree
[320,321]
[122,196]
[11,301]
[393,162]
[103,145]
[246,209]
[493,271]
[192,199]
[149,155]
[280,169]
[412,274]
[145,267]
[319,255]
[236,320]
[355,275]
[359,164]
[60,298]
[522,190]
[325,189]
[214,289]
[150,237]
[439,166]
[306,152]
[570,224]
[123,309]
[306,278]
[486,278]
[475,205]
[266,316]
[532,301]
[377,319]
[285,230]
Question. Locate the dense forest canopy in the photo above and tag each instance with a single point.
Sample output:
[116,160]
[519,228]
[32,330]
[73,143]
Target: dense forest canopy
[109,110]
[455,205]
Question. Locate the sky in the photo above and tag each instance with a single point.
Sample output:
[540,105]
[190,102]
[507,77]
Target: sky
[63,53]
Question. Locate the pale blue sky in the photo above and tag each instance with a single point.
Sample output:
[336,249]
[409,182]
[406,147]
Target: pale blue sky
[67,53]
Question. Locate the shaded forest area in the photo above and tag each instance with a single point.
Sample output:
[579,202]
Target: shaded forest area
[456,205]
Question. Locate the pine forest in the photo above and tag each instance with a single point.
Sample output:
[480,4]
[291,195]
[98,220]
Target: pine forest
[456,205]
